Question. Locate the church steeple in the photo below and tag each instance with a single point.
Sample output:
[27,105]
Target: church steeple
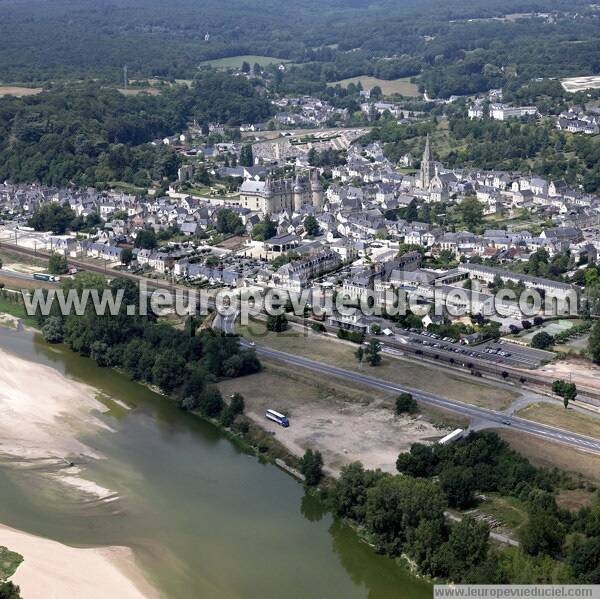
[427,166]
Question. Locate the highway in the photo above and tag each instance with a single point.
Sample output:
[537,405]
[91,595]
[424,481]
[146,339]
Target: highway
[491,418]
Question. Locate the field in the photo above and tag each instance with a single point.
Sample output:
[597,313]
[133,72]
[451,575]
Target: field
[548,454]
[577,84]
[556,415]
[19,92]
[136,91]
[235,62]
[509,511]
[342,421]
[413,374]
[395,86]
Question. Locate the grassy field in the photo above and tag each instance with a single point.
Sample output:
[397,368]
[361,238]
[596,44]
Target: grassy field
[548,454]
[510,511]
[395,86]
[9,562]
[235,62]
[19,92]
[136,91]
[556,415]
[413,374]
[14,309]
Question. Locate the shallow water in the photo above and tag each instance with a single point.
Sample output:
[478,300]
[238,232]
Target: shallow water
[204,518]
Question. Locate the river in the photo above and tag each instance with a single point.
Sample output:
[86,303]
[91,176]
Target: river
[204,518]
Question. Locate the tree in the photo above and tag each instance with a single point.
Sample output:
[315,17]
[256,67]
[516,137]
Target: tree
[594,343]
[211,402]
[458,484]
[237,404]
[246,156]
[396,506]
[373,353]
[543,533]
[412,211]
[9,591]
[566,390]
[376,93]
[311,226]
[360,354]
[311,466]
[471,211]
[52,217]
[146,239]
[168,371]
[584,559]
[542,340]
[466,548]
[246,67]
[52,330]
[264,230]
[420,461]
[277,323]
[57,264]
[126,256]
[406,404]
[349,494]
[228,222]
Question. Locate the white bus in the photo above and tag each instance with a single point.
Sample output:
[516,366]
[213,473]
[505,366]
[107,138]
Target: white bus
[280,419]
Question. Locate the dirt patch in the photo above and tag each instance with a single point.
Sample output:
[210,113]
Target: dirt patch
[345,423]
[232,243]
[575,499]
[19,92]
[556,415]
[414,374]
[548,454]
[581,371]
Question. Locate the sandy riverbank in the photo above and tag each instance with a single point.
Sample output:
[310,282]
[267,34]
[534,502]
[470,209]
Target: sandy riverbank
[53,570]
[42,412]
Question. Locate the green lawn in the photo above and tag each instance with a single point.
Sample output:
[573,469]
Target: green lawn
[509,511]
[401,86]
[18,310]
[235,62]
[9,562]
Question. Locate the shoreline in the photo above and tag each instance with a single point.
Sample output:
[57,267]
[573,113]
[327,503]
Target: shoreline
[53,569]
[42,413]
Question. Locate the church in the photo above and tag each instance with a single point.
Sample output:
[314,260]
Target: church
[430,179]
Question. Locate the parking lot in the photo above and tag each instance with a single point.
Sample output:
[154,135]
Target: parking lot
[496,352]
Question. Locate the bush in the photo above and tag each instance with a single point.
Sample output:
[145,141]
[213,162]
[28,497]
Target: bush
[311,466]
[278,323]
[52,331]
[542,340]
[405,404]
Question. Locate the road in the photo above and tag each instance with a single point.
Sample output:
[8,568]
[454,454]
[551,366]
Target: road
[491,418]
[16,275]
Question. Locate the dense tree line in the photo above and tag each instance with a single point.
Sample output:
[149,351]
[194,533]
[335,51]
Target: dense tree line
[184,364]
[405,514]
[85,134]
[456,48]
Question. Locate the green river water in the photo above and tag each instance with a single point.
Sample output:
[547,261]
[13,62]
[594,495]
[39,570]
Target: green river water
[205,519]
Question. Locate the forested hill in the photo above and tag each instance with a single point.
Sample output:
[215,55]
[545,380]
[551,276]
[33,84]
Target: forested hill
[456,46]
[86,134]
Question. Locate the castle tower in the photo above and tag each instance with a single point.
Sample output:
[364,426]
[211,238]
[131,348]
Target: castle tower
[316,191]
[269,207]
[427,166]
[298,194]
